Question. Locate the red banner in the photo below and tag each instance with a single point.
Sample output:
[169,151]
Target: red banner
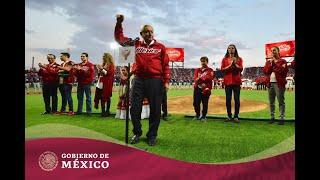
[287,48]
[175,54]
[83,159]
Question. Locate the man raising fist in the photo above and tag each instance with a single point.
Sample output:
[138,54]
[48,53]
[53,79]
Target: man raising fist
[151,74]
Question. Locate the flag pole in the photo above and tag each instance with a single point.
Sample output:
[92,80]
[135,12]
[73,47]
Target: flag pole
[127,106]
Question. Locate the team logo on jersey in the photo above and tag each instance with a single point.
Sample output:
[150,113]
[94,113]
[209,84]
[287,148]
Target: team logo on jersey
[147,50]
[85,68]
[203,74]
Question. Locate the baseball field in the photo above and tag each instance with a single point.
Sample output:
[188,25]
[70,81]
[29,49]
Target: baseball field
[181,138]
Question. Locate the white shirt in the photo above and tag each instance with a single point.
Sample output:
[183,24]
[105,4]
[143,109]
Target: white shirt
[144,42]
[100,84]
[273,77]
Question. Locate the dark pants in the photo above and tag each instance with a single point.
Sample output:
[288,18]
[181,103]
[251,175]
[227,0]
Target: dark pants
[50,90]
[274,91]
[98,97]
[152,89]
[236,96]
[66,90]
[164,102]
[84,89]
[198,97]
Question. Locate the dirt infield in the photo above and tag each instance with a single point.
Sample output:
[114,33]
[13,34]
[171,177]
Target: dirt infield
[217,105]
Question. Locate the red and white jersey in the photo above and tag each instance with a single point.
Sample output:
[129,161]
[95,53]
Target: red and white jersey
[205,75]
[49,74]
[85,75]
[151,60]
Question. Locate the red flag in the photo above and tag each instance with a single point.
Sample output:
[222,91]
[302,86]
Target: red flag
[287,48]
[175,54]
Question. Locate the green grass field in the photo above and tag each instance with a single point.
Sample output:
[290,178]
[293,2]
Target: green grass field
[181,138]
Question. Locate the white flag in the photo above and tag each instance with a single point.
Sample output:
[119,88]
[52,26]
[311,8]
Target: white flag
[127,54]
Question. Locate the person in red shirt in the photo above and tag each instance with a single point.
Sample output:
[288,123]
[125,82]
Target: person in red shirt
[66,79]
[123,89]
[265,83]
[292,65]
[104,85]
[151,74]
[49,74]
[276,71]
[85,76]
[232,67]
[203,78]
[257,83]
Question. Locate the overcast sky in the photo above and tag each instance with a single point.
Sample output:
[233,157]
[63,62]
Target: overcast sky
[202,28]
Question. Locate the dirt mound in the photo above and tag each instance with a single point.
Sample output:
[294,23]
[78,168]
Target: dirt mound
[217,105]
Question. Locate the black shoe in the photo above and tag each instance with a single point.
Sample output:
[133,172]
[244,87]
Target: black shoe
[271,121]
[165,118]
[281,122]
[46,112]
[152,141]
[62,112]
[135,139]
[196,118]
[103,114]
[89,114]
[228,120]
[203,119]
[78,113]
[236,120]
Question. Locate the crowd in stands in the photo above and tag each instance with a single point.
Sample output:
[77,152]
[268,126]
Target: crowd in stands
[182,76]
[32,79]
[258,79]
[256,72]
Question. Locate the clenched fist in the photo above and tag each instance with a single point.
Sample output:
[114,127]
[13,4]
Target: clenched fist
[120,18]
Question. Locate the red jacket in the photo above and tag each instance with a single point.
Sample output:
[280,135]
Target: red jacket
[49,74]
[257,80]
[293,64]
[85,75]
[151,61]
[70,78]
[279,70]
[107,81]
[231,76]
[261,80]
[206,76]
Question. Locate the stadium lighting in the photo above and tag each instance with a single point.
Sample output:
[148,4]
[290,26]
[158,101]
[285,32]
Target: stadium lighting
[113,45]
